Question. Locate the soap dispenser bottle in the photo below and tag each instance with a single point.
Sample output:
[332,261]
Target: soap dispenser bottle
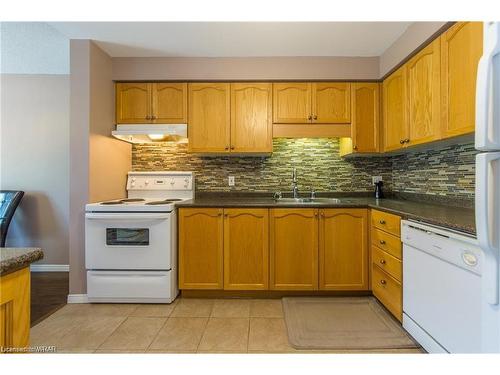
[379,194]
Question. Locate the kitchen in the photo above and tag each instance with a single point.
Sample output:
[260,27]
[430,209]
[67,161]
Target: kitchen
[225,203]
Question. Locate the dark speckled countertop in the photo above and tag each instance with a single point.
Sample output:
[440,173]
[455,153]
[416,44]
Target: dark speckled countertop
[456,218]
[15,258]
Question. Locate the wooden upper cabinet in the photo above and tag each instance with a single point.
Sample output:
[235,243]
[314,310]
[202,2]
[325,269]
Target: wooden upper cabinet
[169,103]
[133,103]
[461,49]
[423,73]
[331,103]
[365,117]
[343,249]
[246,249]
[209,117]
[292,103]
[251,118]
[294,249]
[201,248]
[395,110]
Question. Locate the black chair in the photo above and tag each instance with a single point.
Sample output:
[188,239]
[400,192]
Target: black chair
[9,200]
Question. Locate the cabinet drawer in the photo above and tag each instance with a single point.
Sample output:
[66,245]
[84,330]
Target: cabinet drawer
[388,291]
[386,242]
[387,222]
[387,262]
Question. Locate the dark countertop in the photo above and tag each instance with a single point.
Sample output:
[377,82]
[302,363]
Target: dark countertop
[456,218]
[15,258]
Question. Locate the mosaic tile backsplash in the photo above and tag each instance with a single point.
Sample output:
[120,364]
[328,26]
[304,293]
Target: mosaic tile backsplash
[448,171]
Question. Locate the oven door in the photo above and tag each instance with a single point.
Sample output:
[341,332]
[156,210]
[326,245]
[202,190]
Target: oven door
[128,241]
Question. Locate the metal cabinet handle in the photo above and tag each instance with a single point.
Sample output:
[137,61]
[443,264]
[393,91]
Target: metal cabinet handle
[232,147]
[407,140]
[315,117]
[355,148]
[402,141]
[382,222]
[148,117]
[382,261]
[310,118]
[226,148]
[153,117]
[382,242]
[383,282]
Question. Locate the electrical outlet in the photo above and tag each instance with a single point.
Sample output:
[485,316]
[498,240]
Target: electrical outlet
[376,179]
[231,180]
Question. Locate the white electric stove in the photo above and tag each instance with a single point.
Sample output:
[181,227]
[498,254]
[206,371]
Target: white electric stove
[131,244]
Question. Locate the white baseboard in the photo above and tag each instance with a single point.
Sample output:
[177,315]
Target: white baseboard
[78,298]
[49,268]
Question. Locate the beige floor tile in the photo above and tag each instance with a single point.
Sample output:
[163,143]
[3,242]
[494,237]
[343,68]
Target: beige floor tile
[51,330]
[225,335]
[89,332]
[193,308]
[116,351]
[180,334]
[134,333]
[97,309]
[268,335]
[231,308]
[266,308]
[168,351]
[154,310]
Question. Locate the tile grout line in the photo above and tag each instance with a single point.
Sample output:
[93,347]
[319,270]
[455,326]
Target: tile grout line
[158,333]
[107,337]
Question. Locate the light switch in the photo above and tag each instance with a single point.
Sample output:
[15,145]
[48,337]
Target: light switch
[231,180]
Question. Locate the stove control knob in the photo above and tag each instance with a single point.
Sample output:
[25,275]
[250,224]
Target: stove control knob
[132,184]
[146,182]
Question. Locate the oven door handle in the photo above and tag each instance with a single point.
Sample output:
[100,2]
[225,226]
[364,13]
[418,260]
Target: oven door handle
[128,216]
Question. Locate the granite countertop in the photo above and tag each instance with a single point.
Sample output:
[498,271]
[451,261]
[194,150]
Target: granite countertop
[451,217]
[15,258]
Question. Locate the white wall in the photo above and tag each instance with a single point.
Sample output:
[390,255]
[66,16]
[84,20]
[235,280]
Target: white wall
[34,135]
[33,48]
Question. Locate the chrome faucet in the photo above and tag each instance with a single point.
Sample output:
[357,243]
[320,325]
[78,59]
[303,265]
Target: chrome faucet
[295,189]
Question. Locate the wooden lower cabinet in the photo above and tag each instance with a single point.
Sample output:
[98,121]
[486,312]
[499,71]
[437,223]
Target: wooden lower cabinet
[343,249]
[293,249]
[246,249]
[201,248]
[15,309]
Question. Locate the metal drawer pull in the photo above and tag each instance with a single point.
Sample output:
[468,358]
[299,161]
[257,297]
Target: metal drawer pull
[382,242]
[383,282]
[382,261]
[382,221]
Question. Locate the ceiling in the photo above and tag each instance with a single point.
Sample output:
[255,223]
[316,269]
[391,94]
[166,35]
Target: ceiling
[236,39]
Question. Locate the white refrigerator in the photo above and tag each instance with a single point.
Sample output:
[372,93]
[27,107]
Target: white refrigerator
[487,141]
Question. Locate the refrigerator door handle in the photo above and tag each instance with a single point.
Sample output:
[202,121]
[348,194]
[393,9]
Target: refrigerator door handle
[484,91]
[486,208]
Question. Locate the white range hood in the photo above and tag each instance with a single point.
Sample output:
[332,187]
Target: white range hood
[149,133]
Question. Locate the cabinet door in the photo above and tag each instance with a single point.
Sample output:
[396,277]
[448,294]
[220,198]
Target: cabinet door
[200,248]
[294,249]
[133,103]
[246,249]
[169,103]
[461,49]
[423,87]
[394,104]
[292,103]
[365,117]
[209,117]
[331,103]
[251,117]
[343,249]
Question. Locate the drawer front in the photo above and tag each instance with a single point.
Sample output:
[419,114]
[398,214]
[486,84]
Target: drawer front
[388,291]
[387,262]
[387,222]
[387,242]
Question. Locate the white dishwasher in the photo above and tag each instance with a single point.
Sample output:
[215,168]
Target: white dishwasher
[441,288]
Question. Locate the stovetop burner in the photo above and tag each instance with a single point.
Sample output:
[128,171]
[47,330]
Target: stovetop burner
[109,203]
[130,200]
[166,201]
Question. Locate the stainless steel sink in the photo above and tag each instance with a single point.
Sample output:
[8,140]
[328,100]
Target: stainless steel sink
[308,200]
